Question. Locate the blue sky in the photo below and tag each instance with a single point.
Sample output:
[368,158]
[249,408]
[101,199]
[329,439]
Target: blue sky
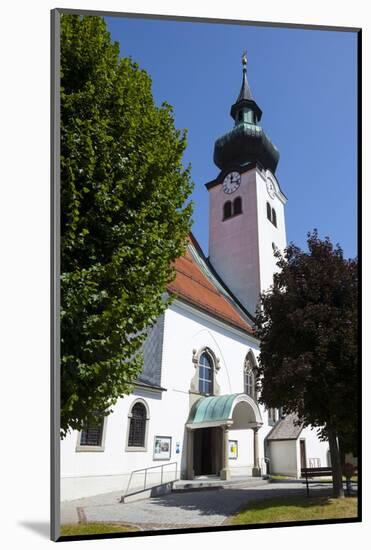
[303,80]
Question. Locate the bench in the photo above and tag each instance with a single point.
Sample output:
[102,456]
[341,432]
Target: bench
[324,472]
[315,472]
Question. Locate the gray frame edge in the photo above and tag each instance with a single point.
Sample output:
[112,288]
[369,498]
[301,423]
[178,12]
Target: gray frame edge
[55,277]
[205,19]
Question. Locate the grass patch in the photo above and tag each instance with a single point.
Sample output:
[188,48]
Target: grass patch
[71,529]
[274,477]
[274,510]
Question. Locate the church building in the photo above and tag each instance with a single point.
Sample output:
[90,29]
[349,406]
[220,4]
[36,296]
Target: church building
[194,410]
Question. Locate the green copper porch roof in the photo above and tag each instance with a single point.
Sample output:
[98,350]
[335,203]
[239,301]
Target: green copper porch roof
[212,409]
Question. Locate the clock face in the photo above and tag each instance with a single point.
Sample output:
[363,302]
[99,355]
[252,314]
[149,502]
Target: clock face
[231,182]
[270,188]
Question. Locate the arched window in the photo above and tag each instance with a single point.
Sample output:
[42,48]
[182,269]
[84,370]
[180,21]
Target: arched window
[138,425]
[227,210]
[237,206]
[249,378]
[274,217]
[269,212]
[272,416]
[240,114]
[205,374]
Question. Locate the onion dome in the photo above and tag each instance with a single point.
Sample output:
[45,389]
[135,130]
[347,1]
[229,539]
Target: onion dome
[246,142]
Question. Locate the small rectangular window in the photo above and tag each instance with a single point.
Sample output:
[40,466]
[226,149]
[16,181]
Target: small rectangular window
[91,436]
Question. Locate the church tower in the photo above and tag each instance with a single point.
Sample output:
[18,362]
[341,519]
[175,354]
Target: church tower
[246,204]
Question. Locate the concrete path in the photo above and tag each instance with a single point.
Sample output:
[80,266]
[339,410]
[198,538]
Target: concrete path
[180,510]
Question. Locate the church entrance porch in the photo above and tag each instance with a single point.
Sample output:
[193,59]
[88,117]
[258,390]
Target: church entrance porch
[208,434]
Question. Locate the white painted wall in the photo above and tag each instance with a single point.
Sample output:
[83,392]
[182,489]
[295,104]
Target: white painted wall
[284,458]
[244,463]
[268,233]
[316,450]
[85,473]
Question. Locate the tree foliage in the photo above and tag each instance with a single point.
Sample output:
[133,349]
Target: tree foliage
[124,217]
[307,327]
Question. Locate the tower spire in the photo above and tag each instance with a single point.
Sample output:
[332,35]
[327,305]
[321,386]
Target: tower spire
[245,102]
[247,141]
[245,92]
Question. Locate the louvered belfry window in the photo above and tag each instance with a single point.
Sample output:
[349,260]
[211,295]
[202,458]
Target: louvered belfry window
[137,430]
[227,210]
[91,435]
[237,206]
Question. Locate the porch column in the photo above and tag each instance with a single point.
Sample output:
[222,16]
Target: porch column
[256,471]
[225,472]
[190,467]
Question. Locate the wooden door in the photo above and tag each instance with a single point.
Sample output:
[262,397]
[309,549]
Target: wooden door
[303,454]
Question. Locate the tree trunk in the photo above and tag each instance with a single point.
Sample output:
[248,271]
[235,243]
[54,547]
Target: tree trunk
[337,480]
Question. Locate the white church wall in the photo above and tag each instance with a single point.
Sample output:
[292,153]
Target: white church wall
[86,473]
[244,462]
[89,472]
[187,330]
[230,346]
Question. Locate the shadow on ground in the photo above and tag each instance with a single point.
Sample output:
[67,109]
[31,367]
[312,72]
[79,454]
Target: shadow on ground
[42,528]
[192,509]
[225,502]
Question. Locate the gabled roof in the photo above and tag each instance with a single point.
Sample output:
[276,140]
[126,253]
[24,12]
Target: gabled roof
[196,284]
[286,428]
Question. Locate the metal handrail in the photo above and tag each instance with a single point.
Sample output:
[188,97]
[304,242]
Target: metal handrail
[162,466]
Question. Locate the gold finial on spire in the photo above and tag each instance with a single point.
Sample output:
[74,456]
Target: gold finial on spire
[244,59]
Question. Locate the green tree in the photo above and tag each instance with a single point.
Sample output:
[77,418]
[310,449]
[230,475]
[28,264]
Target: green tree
[124,216]
[307,326]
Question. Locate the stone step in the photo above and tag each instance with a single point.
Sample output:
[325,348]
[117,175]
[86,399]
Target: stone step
[217,483]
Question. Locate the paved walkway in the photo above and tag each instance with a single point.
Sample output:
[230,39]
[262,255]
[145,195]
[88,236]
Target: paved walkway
[180,510]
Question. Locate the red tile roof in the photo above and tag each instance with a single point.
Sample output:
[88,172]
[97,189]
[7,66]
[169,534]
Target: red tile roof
[193,285]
